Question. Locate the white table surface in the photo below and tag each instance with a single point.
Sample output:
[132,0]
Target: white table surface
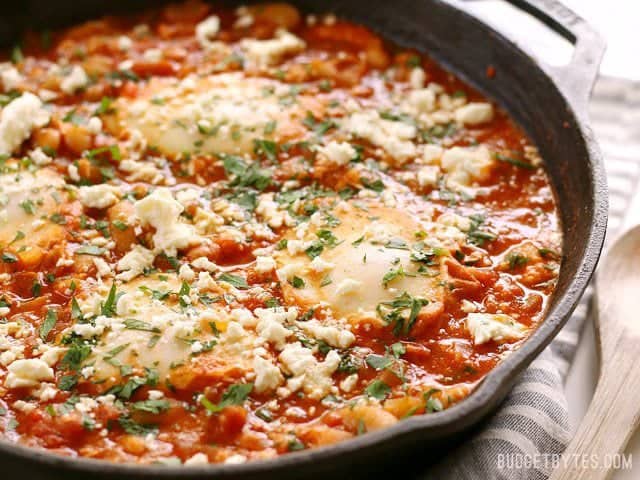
[619,22]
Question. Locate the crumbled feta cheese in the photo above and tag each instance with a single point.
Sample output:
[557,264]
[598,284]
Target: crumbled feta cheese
[207,30]
[271,330]
[162,211]
[40,158]
[85,405]
[339,153]
[297,359]
[186,273]
[268,376]
[417,78]
[197,459]
[94,125]
[9,356]
[107,399]
[244,317]
[86,330]
[394,137]
[23,406]
[244,21]
[143,171]
[47,95]
[265,264]
[467,164]
[126,304]
[378,233]
[307,373]
[203,263]
[264,53]
[153,55]
[75,80]
[46,392]
[28,373]
[155,394]
[431,153]
[134,263]
[103,268]
[235,332]
[493,326]
[19,119]
[348,286]
[50,354]
[532,154]
[124,43]
[236,459]
[10,77]
[336,337]
[188,196]
[205,281]
[294,247]
[245,18]
[474,113]
[468,306]
[349,383]
[420,101]
[196,347]
[454,220]
[320,265]
[72,170]
[271,212]
[98,196]
[428,175]
[125,65]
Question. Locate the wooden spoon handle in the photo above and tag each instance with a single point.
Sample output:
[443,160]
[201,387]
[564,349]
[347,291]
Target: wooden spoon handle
[611,419]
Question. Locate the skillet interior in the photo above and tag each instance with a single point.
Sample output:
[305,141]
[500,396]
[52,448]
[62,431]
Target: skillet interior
[467,47]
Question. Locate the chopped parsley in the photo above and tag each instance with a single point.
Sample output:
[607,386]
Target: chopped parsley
[432,404]
[378,362]
[50,321]
[28,206]
[134,324]
[105,106]
[245,175]
[108,308]
[378,390]
[476,235]
[90,250]
[401,312]
[8,257]
[516,260]
[234,280]
[151,406]
[516,162]
[234,395]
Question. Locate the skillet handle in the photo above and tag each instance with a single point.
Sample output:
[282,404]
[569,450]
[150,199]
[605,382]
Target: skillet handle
[576,79]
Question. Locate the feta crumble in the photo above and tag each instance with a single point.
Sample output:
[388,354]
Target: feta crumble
[19,119]
[493,326]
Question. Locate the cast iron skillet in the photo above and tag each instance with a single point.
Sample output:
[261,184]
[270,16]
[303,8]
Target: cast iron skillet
[549,103]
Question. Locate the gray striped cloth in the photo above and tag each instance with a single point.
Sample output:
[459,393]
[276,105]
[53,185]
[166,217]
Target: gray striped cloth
[533,420]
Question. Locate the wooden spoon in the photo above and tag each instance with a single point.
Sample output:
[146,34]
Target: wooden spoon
[614,412]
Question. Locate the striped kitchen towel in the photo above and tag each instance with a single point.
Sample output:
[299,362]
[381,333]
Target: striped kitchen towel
[531,427]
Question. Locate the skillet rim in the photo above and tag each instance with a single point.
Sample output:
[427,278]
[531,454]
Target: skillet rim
[455,419]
